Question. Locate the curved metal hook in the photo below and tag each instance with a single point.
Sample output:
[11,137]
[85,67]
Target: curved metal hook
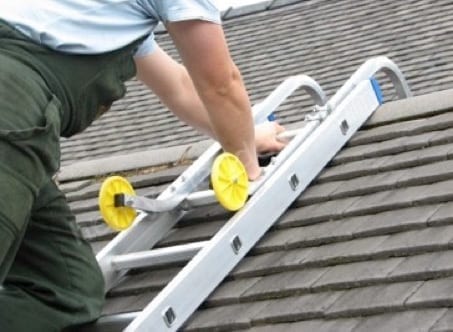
[368,70]
[284,90]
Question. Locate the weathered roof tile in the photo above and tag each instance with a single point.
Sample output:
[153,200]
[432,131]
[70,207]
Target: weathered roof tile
[373,299]
[435,292]
[444,323]
[416,320]
[300,307]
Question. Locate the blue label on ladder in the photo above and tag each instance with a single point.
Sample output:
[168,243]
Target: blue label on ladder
[377,90]
[271,117]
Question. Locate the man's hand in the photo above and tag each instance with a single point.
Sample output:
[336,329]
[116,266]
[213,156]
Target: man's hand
[266,137]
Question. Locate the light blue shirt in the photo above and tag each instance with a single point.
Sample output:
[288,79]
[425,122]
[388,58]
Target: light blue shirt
[98,26]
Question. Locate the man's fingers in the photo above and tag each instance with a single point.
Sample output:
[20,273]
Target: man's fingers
[279,128]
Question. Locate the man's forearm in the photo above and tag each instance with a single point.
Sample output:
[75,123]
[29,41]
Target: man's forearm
[230,117]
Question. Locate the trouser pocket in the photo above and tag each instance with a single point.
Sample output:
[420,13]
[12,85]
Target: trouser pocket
[32,140]
[24,130]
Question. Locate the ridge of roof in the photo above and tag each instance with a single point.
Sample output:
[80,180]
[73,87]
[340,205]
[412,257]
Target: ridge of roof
[233,12]
[411,108]
[264,5]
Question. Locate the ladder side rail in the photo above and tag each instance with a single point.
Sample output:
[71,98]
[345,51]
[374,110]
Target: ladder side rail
[182,296]
[148,229]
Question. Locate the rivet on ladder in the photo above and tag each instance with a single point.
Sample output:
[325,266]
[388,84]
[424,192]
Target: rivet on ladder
[236,244]
[344,127]
[294,182]
[169,316]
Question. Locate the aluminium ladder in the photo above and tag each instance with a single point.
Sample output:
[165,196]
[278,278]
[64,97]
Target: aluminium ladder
[325,131]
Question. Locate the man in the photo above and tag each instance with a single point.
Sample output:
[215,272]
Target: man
[62,64]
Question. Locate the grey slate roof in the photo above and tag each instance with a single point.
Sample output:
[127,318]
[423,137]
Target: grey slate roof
[368,246]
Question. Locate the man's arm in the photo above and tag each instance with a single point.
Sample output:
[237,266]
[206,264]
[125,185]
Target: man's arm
[170,81]
[219,85]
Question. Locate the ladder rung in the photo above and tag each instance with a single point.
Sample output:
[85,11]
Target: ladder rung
[157,256]
[199,198]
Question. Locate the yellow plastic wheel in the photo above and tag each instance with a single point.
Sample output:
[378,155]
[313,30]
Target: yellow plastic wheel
[121,217]
[230,181]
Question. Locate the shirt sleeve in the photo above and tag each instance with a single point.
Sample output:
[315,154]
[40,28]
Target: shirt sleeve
[148,46]
[182,10]
[174,11]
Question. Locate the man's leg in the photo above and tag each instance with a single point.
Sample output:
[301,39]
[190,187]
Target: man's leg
[45,269]
[54,281]
[29,150]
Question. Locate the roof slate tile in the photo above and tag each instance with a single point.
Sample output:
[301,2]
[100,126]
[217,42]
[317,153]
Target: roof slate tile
[130,303]
[311,235]
[390,222]
[226,318]
[137,283]
[443,215]
[425,240]
[445,323]
[353,169]
[373,299]
[349,251]
[319,192]
[297,307]
[436,264]
[438,292]
[322,211]
[283,284]
[269,263]
[231,292]
[407,128]
[357,274]
[414,321]
[414,158]
[331,325]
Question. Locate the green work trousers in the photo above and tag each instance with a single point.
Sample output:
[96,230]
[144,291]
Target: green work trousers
[49,277]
